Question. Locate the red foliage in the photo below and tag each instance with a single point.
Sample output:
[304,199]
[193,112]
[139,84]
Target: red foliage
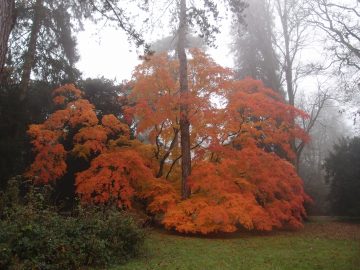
[89,141]
[250,188]
[76,124]
[258,113]
[237,179]
[113,126]
[49,164]
[119,170]
[112,178]
[120,176]
[240,134]
[66,93]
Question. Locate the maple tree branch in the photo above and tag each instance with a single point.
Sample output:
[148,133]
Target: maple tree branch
[172,145]
[157,139]
[176,159]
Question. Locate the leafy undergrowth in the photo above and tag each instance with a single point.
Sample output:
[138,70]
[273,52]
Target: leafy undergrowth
[320,245]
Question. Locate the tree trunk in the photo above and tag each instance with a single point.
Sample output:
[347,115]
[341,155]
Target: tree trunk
[6,23]
[289,82]
[289,74]
[31,50]
[184,107]
[288,61]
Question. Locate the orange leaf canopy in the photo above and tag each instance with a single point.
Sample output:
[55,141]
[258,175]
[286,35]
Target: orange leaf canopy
[240,134]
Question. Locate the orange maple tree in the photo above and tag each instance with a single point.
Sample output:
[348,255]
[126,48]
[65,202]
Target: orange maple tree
[240,137]
[75,133]
[240,132]
[156,111]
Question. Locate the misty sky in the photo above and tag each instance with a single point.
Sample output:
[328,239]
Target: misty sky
[108,53]
[105,51]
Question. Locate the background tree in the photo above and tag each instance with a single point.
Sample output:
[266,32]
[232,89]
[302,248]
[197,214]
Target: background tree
[342,170]
[7,18]
[269,48]
[338,25]
[254,45]
[291,38]
[107,96]
[42,42]
[290,41]
[14,118]
[329,128]
[313,105]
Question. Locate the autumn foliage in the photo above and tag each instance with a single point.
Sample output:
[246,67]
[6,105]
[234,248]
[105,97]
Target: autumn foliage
[75,133]
[242,174]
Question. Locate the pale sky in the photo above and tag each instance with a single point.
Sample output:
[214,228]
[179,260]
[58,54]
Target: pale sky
[105,51]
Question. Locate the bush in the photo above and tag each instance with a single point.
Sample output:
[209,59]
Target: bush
[33,237]
[343,173]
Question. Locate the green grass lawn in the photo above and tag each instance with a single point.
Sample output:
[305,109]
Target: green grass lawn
[320,245]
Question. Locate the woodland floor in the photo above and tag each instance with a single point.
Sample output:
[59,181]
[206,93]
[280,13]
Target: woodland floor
[319,245]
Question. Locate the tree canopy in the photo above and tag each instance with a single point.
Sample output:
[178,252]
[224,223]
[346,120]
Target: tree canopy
[238,178]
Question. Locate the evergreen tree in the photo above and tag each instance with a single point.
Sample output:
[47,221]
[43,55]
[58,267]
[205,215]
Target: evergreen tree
[6,24]
[343,173]
[254,53]
[42,42]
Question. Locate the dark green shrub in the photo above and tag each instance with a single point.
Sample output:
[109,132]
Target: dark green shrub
[343,172]
[35,237]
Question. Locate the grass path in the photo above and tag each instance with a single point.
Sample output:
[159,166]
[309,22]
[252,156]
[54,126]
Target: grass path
[320,245]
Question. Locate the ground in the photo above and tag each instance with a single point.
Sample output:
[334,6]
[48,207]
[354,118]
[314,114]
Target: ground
[319,245]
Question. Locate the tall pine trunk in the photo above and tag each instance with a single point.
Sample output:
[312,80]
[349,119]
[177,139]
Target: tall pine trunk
[184,107]
[6,23]
[29,59]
